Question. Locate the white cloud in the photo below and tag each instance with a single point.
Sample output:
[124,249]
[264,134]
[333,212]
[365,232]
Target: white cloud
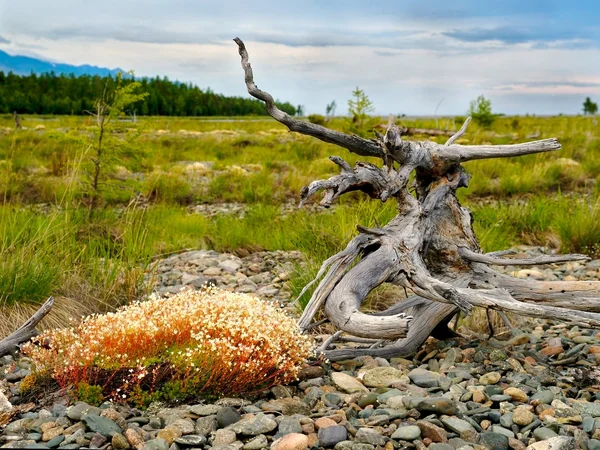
[406,56]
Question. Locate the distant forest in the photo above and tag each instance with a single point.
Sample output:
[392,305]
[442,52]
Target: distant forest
[49,93]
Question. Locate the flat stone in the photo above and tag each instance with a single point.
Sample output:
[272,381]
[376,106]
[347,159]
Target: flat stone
[432,431]
[552,350]
[587,408]
[542,397]
[438,405]
[449,360]
[259,424]
[543,433]
[457,425]
[330,436]
[506,420]
[367,399]
[55,442]
[206,425]
[347,383]
[370,436]
[493,441]
[205,410]
[291,406]
[230,265]
[503,431]
[79,409]
[407,433]
[288,425]
[191,440]
[489,378]
[424,378]
[383,376]
[584,339]
[52,433]
[101,425]
[224,437]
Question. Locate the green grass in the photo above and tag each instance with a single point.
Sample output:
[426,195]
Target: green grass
[50,245]
[153,155]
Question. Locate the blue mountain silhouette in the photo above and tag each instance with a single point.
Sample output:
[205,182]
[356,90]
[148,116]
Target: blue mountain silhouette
[24,65]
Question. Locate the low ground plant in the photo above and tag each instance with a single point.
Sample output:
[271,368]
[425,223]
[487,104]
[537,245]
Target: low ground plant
[195,344]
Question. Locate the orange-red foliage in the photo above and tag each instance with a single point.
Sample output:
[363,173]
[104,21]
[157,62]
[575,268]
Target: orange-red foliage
[206,342]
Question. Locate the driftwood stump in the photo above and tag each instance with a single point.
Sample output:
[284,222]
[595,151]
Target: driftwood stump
[429,247]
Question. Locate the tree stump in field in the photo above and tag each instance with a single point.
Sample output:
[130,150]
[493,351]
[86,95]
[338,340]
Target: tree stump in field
[429,248]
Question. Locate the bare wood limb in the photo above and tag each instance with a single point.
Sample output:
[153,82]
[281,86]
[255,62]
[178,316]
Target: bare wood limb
[501,253]
[459,133]
[365,177]
[345,300]
[426,132]
[353,143]
[337,264]
[505,320]
[460,153]
[575,295]
[500,299]
[538,260]
[27,331]
[330,340]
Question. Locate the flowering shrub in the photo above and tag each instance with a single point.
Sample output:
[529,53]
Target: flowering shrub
[196,343]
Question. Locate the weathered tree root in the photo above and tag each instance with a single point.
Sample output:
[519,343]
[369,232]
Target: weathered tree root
[429,247]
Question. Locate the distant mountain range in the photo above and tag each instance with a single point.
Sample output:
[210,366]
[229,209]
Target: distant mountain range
[24,65]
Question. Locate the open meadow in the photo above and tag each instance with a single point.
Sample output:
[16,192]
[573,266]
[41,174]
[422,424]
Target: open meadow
[232,185]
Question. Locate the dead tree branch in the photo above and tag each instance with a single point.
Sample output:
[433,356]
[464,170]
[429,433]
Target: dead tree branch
[27,331]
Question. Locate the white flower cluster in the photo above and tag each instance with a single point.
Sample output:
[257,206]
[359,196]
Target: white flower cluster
[216,339]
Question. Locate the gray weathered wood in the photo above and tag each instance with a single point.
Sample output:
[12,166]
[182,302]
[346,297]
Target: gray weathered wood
[27,331]
[429,248]
[538,260]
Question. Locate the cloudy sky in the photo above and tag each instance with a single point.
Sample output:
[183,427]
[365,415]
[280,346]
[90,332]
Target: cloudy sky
[528,56]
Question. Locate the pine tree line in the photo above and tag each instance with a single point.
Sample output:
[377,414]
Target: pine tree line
[50,93]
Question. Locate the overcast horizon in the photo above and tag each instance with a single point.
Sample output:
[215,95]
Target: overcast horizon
[409,57]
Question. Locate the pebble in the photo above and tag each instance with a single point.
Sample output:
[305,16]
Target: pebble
[227,416]
[292,441]
[330,436]
[407,433]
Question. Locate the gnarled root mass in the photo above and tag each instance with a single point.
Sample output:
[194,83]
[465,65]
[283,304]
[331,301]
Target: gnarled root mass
[429,247]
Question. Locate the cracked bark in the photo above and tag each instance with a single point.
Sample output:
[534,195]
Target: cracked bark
[429,247]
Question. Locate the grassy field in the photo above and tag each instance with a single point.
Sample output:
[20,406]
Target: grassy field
[155,170]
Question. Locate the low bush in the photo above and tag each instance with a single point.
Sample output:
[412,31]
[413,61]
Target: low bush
[317,119]
[195,344]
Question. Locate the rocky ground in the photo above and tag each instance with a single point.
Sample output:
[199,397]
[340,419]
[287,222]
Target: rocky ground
[263,273]
[538,389]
